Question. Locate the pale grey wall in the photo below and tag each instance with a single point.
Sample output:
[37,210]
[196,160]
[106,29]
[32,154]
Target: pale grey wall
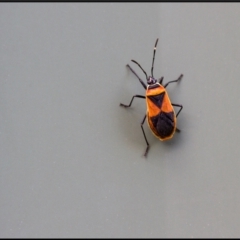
[71,160]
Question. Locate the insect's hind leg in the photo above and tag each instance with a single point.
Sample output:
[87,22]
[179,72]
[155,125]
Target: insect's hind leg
[141,81]
[146,152]
[179,78]
[129,105]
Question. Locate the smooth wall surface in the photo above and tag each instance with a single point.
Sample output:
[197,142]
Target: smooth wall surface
[71,159]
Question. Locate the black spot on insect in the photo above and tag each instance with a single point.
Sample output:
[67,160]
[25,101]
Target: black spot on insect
[157,99]
[164,123]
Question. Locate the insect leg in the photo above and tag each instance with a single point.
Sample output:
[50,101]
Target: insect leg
[129,105]
[141,81]
[178,105]
[161,80]
[146,152]
[179,78]
[181,107]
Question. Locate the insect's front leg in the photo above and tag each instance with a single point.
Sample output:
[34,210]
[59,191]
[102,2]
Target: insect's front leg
[129,105]
[161,80]
[179,78]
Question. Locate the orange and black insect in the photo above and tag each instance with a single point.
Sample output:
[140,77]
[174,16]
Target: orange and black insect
[160,115]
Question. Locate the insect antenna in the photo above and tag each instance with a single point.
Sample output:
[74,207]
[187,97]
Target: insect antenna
[154,51]
[140,67]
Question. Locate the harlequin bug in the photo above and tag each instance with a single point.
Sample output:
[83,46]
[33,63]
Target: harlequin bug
[160,113]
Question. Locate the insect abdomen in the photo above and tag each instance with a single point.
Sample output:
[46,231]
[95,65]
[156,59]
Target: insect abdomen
[164,124]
